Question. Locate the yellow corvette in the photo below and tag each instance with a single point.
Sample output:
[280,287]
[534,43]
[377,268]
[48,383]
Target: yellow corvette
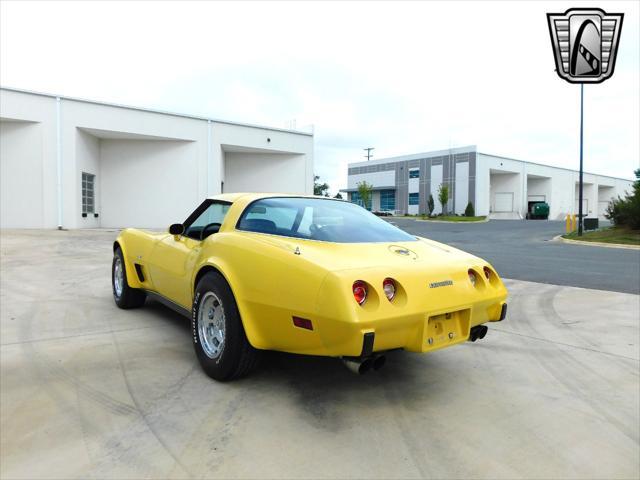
[306,275]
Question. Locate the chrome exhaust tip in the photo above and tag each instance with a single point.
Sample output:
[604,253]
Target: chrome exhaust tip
[379,362]
[359,366]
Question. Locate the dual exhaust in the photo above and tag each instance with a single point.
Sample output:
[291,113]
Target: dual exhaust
[360,365]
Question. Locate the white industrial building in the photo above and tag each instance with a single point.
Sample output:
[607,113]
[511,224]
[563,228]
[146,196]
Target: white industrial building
[70,163]
[496,186]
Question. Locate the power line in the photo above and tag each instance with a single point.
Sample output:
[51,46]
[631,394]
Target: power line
[368,150]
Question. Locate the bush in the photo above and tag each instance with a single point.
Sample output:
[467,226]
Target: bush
[626,211]
[469,211]
[443,197]
[430,204]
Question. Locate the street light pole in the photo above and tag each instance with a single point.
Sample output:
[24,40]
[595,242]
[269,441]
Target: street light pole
[581,137]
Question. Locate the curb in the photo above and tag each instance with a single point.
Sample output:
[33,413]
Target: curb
[558,238]
[446,221]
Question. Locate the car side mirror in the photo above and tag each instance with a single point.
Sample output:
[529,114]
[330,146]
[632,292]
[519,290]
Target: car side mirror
[176,229]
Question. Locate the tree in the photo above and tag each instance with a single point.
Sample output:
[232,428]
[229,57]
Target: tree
[443,197]
[469,211]
[364,189]
[320,188]
[626,211]
[430,204]
[338,195]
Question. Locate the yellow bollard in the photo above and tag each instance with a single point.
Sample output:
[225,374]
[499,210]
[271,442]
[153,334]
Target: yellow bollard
[568,223]
[574,223]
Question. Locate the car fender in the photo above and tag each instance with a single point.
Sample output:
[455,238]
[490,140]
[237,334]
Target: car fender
[122,242]
[223,268]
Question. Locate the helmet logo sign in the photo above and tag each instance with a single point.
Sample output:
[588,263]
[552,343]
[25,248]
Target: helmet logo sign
[585,43]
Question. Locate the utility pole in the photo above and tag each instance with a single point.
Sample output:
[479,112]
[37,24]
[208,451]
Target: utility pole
[368,150]
[581,135]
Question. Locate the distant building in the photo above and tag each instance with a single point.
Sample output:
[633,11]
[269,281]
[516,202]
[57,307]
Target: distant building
[497,186]
[81,164]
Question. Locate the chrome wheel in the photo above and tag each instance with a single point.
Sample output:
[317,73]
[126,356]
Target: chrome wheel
[118,276]
[211,325]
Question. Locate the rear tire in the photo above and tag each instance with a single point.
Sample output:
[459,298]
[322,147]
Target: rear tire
[219,339]
[124,296]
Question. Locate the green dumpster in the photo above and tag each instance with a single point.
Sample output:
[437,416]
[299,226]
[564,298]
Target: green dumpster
[538,210]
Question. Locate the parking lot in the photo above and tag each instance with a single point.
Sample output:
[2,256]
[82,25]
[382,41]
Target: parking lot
[88,390]
[523,250]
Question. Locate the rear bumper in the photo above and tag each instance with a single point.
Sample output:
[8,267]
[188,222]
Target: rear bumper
[415,332]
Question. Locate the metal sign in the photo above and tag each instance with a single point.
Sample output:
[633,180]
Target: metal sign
[585,43]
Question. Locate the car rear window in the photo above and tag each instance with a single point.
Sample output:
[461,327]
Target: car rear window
[318,219]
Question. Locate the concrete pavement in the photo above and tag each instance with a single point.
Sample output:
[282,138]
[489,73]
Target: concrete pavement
[88,390]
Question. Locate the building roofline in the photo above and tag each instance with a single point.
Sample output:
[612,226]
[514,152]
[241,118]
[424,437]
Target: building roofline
[150,110]
[552,166]
[417,156]
[464,149]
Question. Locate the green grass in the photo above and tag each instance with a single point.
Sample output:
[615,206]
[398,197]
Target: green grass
[454,218]
[620,235]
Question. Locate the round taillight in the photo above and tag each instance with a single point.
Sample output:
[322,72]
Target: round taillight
[389,287]
[472,277]
[487,272]
[359,291]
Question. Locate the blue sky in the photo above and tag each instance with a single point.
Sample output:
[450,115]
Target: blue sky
[402,77]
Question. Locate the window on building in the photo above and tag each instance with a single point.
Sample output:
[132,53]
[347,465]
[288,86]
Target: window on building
[88,193]
[414,199]
[414,173]
[355,198]
[387,200]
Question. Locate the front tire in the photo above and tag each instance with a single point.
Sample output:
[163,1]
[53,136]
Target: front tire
[219,338]
[124,296]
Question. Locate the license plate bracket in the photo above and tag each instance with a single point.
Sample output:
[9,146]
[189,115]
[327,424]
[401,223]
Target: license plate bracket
[446,329]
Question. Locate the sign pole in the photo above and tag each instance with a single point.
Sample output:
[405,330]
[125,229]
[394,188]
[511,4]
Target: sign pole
[581,137]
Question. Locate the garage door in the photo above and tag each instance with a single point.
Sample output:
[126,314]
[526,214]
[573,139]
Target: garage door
[504,202]
[536,198]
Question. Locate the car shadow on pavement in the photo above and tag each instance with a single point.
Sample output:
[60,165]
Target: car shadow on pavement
[320,390]
[326,393]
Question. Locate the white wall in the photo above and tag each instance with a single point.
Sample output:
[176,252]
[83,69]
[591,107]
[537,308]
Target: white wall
[502,183]
[131,139]
[228,138]
[21,175]
[563,191]
[264,172]
[17,212]
[150,167]
[377,179]
[540,188]
[141,185]
[462,187]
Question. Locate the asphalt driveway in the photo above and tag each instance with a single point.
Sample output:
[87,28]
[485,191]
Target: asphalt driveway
[522,250]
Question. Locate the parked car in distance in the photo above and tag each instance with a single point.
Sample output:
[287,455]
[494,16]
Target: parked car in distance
[307,275]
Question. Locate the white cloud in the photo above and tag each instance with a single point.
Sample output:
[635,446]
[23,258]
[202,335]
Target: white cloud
[399,76]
